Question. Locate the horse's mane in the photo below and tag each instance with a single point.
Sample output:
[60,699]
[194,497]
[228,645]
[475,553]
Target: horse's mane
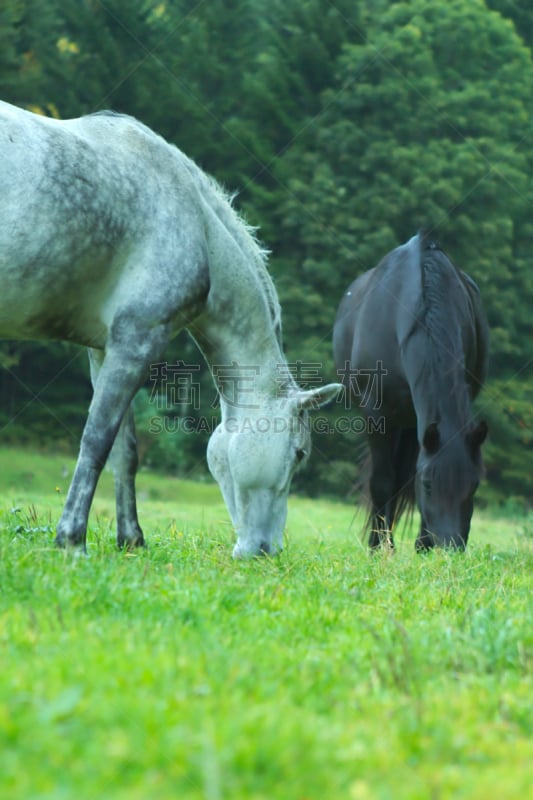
[221,202]
[440,281]
[246,237]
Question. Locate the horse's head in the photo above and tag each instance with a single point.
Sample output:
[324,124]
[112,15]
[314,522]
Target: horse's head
[448,474]
[253,456]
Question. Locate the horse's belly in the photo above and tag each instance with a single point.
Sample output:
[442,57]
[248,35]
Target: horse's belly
[59,321]
[53,299]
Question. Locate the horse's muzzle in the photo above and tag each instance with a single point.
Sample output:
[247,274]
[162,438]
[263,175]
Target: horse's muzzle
[264,548]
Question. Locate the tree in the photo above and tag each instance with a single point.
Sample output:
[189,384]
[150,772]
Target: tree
[425,126]
[10,59]
[345,127]
[520,13]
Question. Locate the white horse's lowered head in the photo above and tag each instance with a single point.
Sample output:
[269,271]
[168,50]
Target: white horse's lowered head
[253,456]
[113,239]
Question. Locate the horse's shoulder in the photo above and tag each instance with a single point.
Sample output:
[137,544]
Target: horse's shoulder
[112,125]
[109,130]
[117,122]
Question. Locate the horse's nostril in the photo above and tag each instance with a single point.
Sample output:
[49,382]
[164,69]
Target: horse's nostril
[264,549]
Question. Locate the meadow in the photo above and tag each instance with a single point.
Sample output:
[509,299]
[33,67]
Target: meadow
[326,673]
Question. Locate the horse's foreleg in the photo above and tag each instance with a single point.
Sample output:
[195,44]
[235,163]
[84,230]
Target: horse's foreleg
[382,484]
[424,540]
[124,464]
[117,379]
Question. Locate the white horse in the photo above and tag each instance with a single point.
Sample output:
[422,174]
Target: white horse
[113,239]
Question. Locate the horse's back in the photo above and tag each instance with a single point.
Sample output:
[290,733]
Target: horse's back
[348,315]
[87,208]
[371,318]
[100,170]
[388,307]
[63,223]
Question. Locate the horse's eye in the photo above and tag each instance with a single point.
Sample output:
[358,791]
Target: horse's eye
[427,487]
[300,454]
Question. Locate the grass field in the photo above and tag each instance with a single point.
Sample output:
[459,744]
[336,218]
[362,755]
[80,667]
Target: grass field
[327,673]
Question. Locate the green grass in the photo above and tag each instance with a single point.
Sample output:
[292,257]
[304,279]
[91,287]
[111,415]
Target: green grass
[327,673]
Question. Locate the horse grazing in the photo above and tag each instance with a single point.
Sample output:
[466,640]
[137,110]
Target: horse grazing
[411,341]
[113,239]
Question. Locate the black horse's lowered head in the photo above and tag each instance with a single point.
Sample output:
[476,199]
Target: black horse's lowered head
[447,477]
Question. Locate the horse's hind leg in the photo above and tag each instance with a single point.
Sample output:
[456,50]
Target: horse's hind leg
[382,488]
[121,372]
[124,464]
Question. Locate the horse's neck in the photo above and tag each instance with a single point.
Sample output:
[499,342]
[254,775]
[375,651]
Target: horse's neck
[239,331]
[246,364]
[242,347]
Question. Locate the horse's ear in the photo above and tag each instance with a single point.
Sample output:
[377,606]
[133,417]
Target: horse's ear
[478,435]
[431,440]
[316,398]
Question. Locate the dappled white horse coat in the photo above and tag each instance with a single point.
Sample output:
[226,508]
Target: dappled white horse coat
[113,239]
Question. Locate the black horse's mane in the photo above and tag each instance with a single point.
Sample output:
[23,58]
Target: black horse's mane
[442,287]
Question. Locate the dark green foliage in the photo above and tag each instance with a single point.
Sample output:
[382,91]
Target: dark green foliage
[520,12]
[508,407]
[45,393]
[10,59]
[346,127]
[424,126]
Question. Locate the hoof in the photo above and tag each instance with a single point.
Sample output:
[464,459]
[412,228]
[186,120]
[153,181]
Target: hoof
[424,545]
[72,541]
[130,542]
[71,548]
[381,541]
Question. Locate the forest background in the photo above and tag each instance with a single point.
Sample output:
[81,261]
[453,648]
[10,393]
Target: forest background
[345,127]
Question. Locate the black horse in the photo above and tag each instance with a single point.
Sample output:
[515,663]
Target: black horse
[411,343]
